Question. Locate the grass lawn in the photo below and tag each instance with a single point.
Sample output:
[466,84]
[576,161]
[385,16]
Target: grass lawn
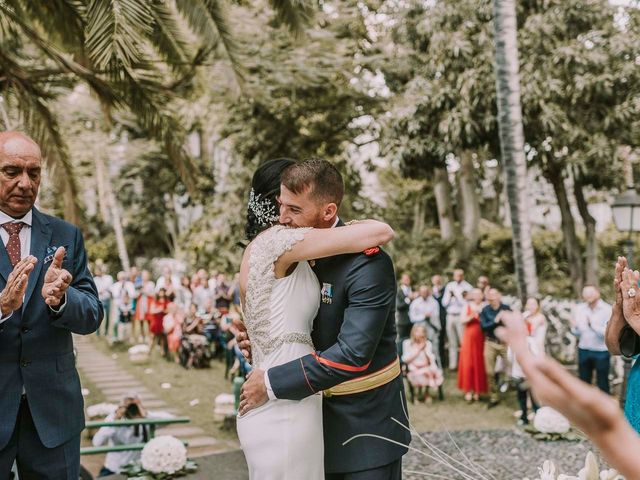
[203,385]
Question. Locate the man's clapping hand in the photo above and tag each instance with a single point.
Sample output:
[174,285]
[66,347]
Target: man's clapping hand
[12,296]
[56,280]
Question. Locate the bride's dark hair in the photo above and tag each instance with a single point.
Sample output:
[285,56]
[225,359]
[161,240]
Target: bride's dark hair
[262,211]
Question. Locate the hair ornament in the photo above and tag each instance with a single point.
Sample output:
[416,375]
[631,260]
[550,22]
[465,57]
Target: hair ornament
[262,208]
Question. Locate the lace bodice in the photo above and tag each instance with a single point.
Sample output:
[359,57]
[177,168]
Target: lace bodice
[278,311]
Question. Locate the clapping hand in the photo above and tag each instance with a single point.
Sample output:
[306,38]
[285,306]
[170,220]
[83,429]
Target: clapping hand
[12,296]
[56,280]
[630,294]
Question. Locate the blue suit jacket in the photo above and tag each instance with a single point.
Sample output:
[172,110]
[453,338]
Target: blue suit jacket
[354,334]
[36,348]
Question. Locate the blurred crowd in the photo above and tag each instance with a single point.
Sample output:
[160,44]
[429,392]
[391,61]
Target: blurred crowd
[189,318]
[451,325]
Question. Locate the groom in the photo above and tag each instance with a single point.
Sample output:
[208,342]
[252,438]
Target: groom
[356,365]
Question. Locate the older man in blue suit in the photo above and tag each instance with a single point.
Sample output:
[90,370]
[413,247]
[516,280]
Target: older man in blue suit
[47,294]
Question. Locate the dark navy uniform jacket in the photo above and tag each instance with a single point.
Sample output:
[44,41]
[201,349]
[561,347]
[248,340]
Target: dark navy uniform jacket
[36,348]
[354,334]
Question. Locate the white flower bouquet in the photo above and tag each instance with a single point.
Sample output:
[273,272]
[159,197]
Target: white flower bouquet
[591,471]
[162,458]
[549,424]
[139,354]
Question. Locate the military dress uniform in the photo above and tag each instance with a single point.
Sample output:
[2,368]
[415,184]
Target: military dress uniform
[356,366]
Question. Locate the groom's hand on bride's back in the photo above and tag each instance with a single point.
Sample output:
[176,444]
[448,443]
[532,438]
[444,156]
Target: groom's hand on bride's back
[242,337]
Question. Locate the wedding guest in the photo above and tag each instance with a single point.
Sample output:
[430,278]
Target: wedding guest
[103,282]
[184,296]
[523,391]
[589,324]
[201,293]
[484,285]
[424,310]
[130,408]
[493,347]
[403,301]
[472,375]
[234,293]
[453,301]
[118,290]
[169,282]
[536,323]
[125,314]
[172,324]
[157,310]
[142,317]
[221,295]
[423,372]
[437,291]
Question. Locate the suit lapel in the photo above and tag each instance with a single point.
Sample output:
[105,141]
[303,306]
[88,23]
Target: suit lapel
[40,238]
[5,263]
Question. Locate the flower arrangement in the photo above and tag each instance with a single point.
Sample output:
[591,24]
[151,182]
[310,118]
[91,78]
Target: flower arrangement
[139,354]
[591,471]
[101,410]
[549,424]
[162,458]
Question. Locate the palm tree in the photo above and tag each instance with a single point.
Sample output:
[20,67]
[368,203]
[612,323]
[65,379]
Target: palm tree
[134,55]
[512,143]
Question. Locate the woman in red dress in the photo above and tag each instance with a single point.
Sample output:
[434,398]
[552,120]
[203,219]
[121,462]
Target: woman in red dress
[472,376]
[157,311]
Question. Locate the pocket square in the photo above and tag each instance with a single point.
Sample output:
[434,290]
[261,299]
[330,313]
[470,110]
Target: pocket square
[51,250]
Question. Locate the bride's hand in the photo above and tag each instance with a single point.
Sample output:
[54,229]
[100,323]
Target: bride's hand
[253,393]
[242,337]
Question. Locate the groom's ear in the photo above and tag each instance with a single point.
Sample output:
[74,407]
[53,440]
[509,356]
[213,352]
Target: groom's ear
[329,211]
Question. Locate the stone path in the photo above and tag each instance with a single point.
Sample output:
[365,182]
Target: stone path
[105,373]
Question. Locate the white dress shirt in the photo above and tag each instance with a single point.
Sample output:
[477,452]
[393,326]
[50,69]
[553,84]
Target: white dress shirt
[422,309]
[591,324]
[453,299]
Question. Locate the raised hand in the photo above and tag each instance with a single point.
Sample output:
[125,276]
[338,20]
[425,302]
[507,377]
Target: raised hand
[56,280]
[12,296]
[630,295]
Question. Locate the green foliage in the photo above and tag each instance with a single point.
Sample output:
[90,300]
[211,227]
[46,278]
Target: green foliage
[429,256]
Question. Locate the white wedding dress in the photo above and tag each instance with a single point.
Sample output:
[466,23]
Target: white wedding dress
[282,440]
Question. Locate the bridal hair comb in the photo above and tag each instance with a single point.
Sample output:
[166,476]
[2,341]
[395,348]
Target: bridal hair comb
[262,208]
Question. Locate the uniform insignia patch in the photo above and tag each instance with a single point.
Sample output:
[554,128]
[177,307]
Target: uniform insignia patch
[327,293]
[371,251]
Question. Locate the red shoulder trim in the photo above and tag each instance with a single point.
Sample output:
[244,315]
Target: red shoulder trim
[371,251]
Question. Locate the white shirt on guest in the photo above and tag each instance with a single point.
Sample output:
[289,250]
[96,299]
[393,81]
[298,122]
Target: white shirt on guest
[24,235]
[591,324]
[453,299]
[421,309]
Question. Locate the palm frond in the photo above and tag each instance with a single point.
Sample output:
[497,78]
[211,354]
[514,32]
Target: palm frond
[116,29]
[143,92]
[167,36]
[41,124]
[295,14]
[209,19]
[63,20]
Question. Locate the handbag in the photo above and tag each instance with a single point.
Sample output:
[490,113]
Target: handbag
[629,342]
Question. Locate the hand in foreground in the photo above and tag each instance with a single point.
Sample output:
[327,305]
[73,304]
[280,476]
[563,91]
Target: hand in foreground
[621,264]
[12,296]
[56,280]
[254,392]
[630,295]
[242,337]
[592,411]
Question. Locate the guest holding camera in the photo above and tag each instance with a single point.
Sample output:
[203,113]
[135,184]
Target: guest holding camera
[131,408]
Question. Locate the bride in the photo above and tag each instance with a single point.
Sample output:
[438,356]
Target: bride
[283,439]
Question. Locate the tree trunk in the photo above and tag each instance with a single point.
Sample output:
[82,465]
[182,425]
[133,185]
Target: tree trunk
[101,181]
[442,192]
[591,266]
[512,143]
[418,218]
[469,206]
[571,245]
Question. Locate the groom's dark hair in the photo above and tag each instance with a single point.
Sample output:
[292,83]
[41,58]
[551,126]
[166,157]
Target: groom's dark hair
[320,177]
